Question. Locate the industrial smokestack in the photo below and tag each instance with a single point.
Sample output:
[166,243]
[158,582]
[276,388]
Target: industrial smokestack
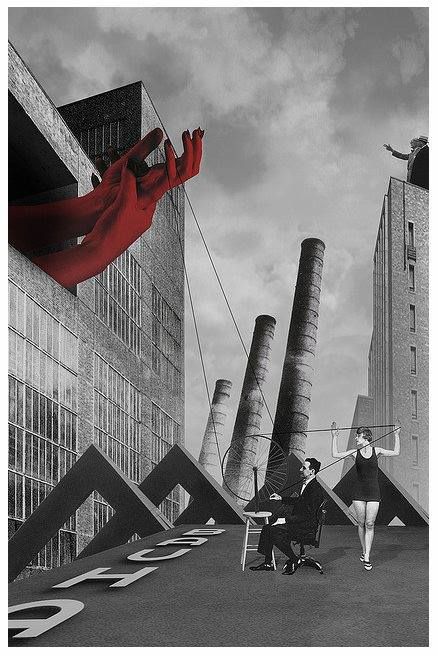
[293,406]
[249,414]
[209,455]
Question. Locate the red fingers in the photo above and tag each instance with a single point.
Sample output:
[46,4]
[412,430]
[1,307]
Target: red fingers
[185,162]
[170,163]
[197,150]
[146,145]
[138,152]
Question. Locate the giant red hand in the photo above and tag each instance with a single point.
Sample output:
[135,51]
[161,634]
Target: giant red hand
[115,214]
[37,226]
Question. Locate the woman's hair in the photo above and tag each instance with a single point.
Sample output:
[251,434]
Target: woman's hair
[366,432]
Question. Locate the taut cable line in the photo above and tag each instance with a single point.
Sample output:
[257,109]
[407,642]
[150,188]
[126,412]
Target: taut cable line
[339,459]
[220,285]
[176,211]
[322,430]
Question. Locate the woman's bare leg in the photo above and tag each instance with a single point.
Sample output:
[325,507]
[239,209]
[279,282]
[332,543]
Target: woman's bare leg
[360,511]
[372,508]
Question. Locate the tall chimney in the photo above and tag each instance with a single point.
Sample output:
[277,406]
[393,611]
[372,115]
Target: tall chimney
[209,455]
[249,414]
[293,405]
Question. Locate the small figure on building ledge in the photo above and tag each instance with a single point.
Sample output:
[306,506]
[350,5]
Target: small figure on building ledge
[418,161]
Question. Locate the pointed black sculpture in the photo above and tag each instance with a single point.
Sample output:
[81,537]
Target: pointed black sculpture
[178,467]
[94,471]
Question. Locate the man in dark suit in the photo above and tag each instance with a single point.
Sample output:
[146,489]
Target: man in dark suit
[294,520]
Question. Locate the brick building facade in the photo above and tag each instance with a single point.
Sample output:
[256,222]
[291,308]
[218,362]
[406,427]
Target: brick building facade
[103,363]
[398,373]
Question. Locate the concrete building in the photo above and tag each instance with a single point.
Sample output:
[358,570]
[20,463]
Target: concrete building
[103,363]
[398,358]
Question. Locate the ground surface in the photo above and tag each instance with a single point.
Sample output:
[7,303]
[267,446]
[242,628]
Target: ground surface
[204,599]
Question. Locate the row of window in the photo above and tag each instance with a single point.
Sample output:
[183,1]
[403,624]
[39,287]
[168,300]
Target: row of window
[126,458]
[117,417]
[165,315]
[25,495]
[172,205]
[412,318]
[29,364]
[117,299]
[96,140]
[43,363]
[167,344]
[168,373]
[102,513]
[36,325]
[414,404]
[35,412]
[165,433]
[111,384]
[60,550]
[40,457]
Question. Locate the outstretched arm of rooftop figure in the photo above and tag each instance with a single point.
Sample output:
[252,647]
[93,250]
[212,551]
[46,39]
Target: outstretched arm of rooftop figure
[335,453]
[128,215]
[396,451]
[395,153]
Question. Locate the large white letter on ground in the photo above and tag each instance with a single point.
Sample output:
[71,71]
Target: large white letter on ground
[34,628]
[192,542]
[96,575]
[139,555]
[205,531]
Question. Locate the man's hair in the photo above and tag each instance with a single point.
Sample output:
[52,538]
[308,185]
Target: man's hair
[314,464]
[366,432]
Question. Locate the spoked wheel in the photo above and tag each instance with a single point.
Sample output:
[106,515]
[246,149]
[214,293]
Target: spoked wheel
[253,466]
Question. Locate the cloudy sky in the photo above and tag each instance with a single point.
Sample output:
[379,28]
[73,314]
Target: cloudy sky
[296,104]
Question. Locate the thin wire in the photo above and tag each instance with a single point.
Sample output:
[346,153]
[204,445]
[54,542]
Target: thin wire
[320,430]
[194,317]
[215,271]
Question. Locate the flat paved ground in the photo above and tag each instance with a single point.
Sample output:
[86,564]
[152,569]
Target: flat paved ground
[204,599]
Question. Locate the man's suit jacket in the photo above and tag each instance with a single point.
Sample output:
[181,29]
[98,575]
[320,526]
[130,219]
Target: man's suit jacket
[300,511]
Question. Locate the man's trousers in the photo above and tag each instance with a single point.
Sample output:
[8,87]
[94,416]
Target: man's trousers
[277,536]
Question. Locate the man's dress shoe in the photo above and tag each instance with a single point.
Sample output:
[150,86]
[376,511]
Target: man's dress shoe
[263,567]
[291,568]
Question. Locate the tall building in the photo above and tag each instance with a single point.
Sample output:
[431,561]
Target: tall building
[398,358]
[103,363]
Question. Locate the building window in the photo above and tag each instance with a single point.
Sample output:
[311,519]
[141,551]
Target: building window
[414,404]
[165,433]
[415,449]
[411,278]
[412,319]
[173,205]
[413,360]
[42,417]
[416,492]
[411,234]
[96,140]
[117,299]
[166,342]
[117,423]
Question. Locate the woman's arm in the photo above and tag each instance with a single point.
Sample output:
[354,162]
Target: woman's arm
[396,450]
[335,452]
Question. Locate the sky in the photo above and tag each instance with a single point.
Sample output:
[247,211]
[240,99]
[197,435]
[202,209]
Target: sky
[296,104]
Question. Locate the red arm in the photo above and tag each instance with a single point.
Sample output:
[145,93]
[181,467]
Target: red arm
[127,218]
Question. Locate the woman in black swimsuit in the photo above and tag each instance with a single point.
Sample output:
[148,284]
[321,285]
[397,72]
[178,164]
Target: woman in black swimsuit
[366,492]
